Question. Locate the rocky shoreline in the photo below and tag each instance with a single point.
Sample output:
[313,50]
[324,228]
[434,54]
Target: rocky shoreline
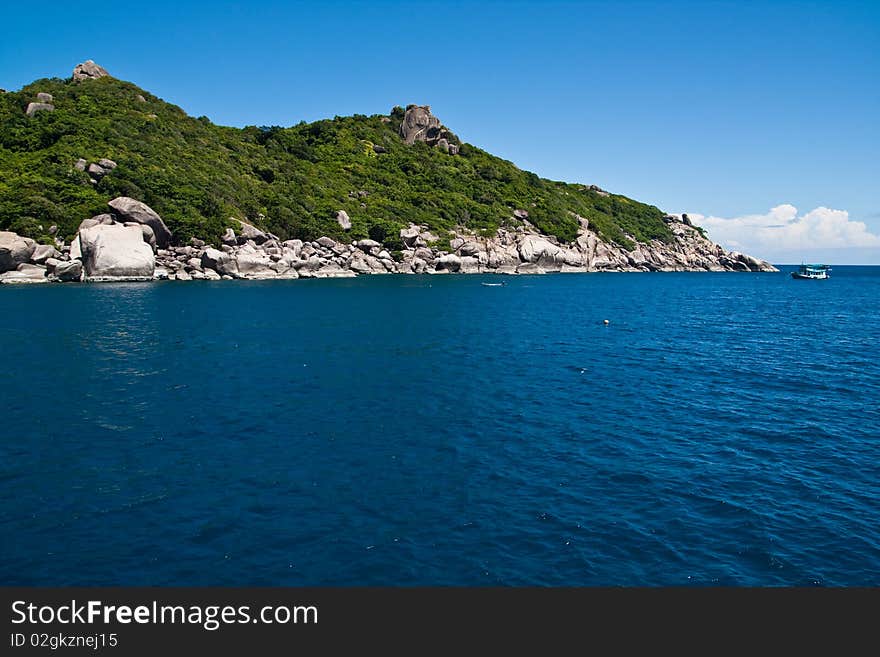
[132,243]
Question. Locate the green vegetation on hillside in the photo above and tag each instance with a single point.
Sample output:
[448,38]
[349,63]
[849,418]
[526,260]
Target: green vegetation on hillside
[291,181]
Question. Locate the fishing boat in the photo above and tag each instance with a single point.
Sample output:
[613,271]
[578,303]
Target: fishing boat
[811,272]
[502,284]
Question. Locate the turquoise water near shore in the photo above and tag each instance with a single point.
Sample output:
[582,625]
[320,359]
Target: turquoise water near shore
[723,429]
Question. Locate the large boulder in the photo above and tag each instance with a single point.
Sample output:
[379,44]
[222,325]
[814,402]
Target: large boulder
[249,232]
[96,170]
[637,257]
[362,263]
[502,256]
[424,253]
[573,258]
[88,70]
[409,236]
[255,265]
[752,263]
[131,210]
[69,271]
[418,266]
[469,249]
[470,265]
[343,219]
[116,252]
[14,250]
[42,253]
[367,244]
[604,258]
[449,262]
[291,249]
[537,250]
[359,265]
[219,261]
[25,273]
[311,263]
[420,125]
[33,108]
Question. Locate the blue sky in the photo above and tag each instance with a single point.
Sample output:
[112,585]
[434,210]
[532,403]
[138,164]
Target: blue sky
[733,112]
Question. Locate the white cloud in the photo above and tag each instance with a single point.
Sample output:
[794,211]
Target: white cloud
[783,230]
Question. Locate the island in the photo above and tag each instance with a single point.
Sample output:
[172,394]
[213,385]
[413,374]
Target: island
[103,181]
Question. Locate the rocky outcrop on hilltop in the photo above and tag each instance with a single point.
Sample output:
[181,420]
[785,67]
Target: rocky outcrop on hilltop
[88,70]
[133,243]
[420,125]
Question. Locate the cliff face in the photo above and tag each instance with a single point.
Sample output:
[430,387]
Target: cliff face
[378,194]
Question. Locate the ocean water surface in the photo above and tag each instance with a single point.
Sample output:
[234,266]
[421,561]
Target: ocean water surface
[722,429]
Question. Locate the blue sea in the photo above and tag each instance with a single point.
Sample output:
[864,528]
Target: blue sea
[721,429]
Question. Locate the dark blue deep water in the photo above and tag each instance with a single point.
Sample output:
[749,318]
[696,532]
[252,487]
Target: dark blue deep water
[724,429]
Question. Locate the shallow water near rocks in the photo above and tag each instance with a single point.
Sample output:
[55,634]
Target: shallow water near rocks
[722,429]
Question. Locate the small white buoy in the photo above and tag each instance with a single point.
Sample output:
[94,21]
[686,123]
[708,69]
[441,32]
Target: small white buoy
[606,322]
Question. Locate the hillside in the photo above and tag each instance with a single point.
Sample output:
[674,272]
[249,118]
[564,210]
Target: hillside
[291,181]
